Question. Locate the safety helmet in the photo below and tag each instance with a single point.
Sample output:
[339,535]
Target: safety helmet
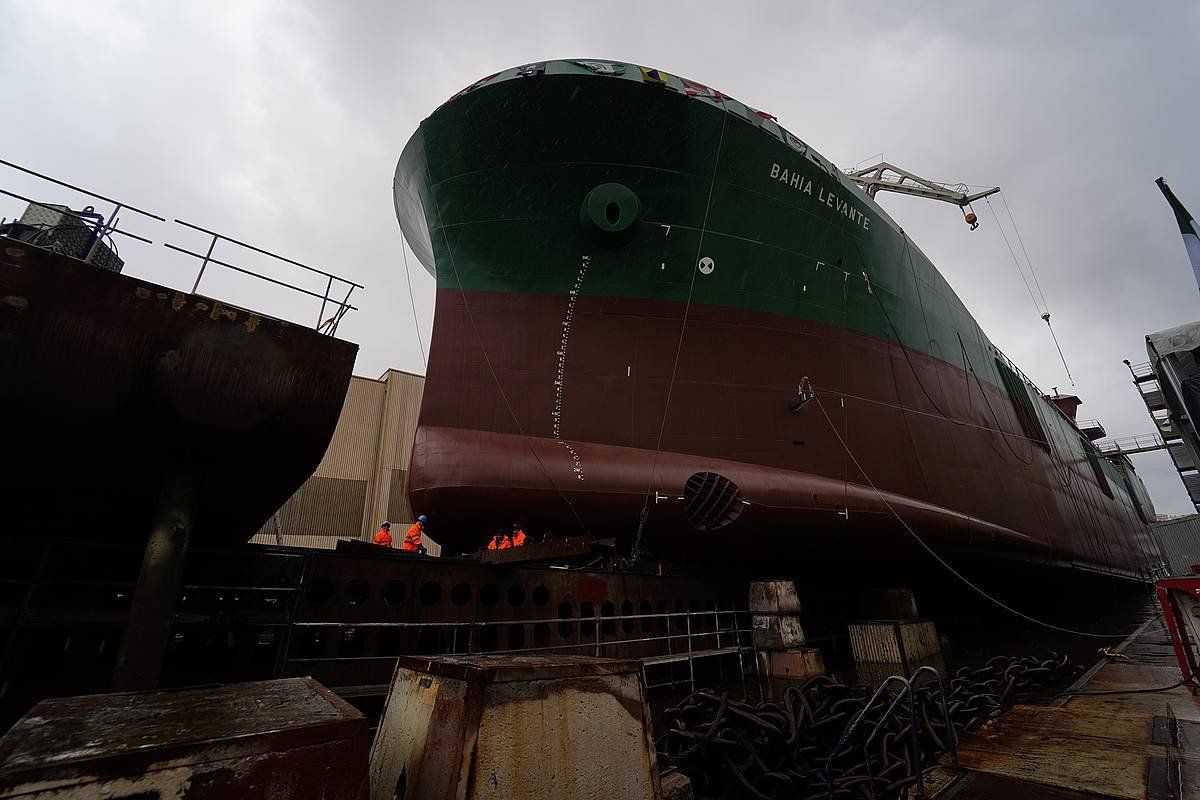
[422,518]
[385,524]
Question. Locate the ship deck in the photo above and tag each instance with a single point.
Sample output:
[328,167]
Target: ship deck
[1135,745]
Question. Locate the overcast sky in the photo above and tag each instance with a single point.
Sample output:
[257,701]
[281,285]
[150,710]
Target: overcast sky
[280,124]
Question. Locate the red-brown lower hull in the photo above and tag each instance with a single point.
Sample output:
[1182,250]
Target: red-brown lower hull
[942,447]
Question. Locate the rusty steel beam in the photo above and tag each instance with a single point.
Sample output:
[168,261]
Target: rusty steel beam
[148,629]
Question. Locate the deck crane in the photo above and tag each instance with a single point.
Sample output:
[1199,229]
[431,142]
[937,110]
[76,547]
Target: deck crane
[886,177]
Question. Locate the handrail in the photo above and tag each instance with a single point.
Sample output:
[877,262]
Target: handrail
[594,640]
[331,297]
[592,618]
[92,194]
[1125,444]
[266,253]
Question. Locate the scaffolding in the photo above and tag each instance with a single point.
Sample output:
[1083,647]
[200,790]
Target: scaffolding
[1163,383]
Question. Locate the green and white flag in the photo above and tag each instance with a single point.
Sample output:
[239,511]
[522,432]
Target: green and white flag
[1187,226]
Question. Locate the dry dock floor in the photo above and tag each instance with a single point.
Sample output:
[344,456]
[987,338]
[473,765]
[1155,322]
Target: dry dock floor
[1125,745]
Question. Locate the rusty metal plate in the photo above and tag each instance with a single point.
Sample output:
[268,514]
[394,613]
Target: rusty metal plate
[245,740]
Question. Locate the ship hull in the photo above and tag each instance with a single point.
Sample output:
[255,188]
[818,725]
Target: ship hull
[761,358]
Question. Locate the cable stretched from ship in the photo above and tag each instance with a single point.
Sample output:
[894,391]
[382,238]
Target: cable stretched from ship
[413,302]
[1040,307]
[946,565]
[487,360]
[645,513]
[1021,242]
[1043,308]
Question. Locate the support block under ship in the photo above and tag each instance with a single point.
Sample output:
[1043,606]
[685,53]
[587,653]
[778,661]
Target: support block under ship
[659,311]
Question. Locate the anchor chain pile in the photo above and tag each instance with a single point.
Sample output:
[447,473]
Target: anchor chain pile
[780,749]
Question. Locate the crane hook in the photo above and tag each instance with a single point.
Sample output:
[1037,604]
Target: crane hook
[969,217]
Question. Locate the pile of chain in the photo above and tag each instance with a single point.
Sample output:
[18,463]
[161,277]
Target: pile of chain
[781,749]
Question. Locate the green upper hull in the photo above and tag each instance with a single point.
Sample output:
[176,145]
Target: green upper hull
[776,247]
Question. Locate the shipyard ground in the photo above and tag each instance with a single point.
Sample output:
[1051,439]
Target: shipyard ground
[1131,744]
[1101,746]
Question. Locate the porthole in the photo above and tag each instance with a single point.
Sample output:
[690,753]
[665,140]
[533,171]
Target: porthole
[587,620]
[608,626]
[566,612]
[394,593]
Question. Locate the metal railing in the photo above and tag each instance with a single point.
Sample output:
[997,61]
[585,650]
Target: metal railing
[683,637]
[335,299]
[1141,443]
[327,297]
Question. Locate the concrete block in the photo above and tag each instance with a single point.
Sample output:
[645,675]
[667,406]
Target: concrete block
[282,739]
[775,615]
[519,727]
[893,641]
[873,673]
[795,664]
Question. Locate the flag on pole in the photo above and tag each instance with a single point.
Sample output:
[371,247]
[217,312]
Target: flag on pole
[1187,227]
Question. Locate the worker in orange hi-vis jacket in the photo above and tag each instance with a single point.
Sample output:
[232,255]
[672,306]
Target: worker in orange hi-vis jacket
[412,539]
[517,535]
[384,537]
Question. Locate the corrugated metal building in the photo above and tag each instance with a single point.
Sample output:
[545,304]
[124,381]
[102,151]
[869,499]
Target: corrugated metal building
[1179,542]
[363,478]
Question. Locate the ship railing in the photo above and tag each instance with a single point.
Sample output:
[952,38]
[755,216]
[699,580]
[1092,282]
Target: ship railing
[1008,362]
[685,638]
[332,290]
[329,297]
[1141,443]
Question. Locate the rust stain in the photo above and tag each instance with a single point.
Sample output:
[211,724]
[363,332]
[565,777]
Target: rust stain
[178,302]
[217,310]
[201,306]
[15,301]
[142,293]
[231,315]
[252,323]
[15,252]
[161,296]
